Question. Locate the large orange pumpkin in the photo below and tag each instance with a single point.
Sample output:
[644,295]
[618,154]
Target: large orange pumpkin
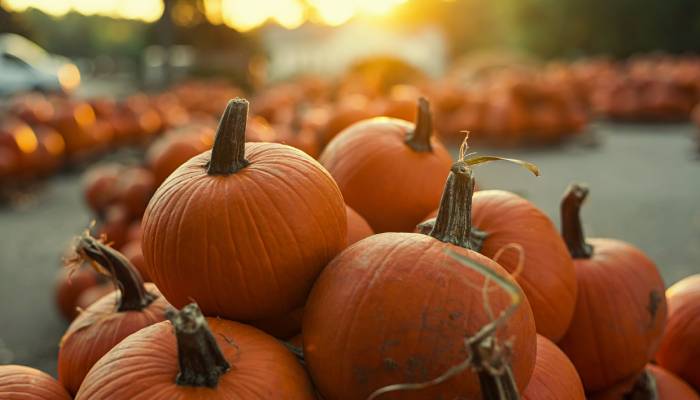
[389,170]
[174,148]
[109,320]
[547,276]
[18,382]
[210,358]
[244,229]
[621,307]
[679,351]
[396,308]
[554,377]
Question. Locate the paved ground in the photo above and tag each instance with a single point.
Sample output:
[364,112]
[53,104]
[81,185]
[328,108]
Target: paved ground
[645,188]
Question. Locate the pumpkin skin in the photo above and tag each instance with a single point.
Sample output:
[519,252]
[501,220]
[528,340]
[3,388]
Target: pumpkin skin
[668,387]
[679,351]
[18,382]
[132,252]
[90,296]
[283,327]
[173,149]
[110,319]
[261,368]
[554,377]
[548,277]
[98,186]
[359,338]
[621,307]
[70,284]
[382,177]
[134,189]
[265,232]
[358,228]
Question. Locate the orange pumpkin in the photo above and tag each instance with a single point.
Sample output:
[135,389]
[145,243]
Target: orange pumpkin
[679,351]
[173,149]
[281,327]
[115,226]
[554,377]
[109,320]
[349,110]
[255,221]
[18,382]
[547,276]
[621,307]
[132,252]
[70,284]
[99,183]
[358,228]
[396,308]
[133,189]
[671,387]
[390,171]
[208,358]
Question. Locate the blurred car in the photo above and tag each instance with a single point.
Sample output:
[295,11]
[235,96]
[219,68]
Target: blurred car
[25,66]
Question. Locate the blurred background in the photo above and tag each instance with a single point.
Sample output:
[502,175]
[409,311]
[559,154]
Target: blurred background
[101,99]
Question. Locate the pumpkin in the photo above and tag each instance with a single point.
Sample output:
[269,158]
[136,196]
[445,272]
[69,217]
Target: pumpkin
[396,308]
[206,358]
[70,284]
[98,186]
[134,188]
[654,383]
[390,171]
[109,320]
[621,308]
[173,149]
[679,351]
[25,383]
[358,228]
[547,276]
[115,226]
[281,327]
[244,229]
[132,252]
[349,110]
[554,377]
[89,296]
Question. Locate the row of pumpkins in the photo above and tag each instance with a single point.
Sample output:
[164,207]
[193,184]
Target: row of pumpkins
[375,272]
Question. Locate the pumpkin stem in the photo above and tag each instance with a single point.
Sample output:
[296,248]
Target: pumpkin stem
[496,378]
[454,220]
[228,152]
[199,356]
[134,296]
[419,137]
[644,388]
[571,228]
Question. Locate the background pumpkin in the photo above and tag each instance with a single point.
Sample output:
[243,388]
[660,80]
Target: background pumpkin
[70,284]
[653,383]
[679,351]
[554,377]
[206,358]
[20,382]
[396,308]
[264,225]
[621,307]
[390,171]
[110,319]
[358,228]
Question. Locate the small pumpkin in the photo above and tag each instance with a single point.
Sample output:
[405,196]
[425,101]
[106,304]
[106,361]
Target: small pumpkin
[396,308]
[205,358]
[554,377]
[99,183]
[18,382]
[358,228]
[390,171]
[679,351]
[70,284]
[174,148]
[255,223]
[132,252]
[109,320]
[115,226]
[621,307]
[133,189]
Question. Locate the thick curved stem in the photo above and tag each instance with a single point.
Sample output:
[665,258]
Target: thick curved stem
[228,152]
[571,228]
[644,389]
[199,356]
[134,296]
[453,222]
[419,138]
[496,378]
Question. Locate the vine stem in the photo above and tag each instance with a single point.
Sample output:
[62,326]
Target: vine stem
[571,227]
[419,138]
[134,296]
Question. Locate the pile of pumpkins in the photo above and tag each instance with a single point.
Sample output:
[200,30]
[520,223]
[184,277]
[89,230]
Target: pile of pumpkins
[375,272]
[511,107]
[652,88]
[39,134]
